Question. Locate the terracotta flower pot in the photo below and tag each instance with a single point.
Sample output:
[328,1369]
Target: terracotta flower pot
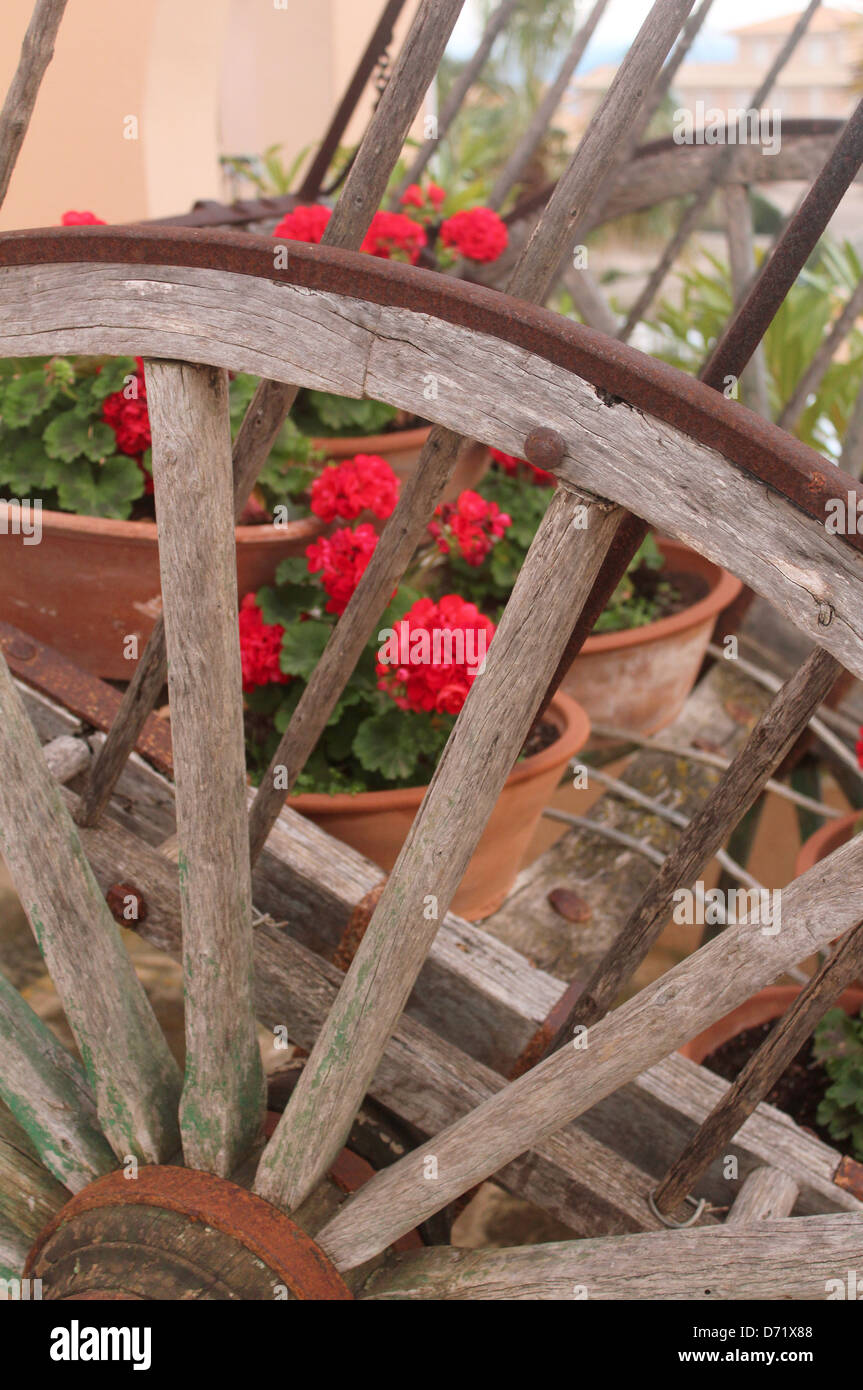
[767,1004]
[639,678]
[376,823]
[832,834]
[92,582]
[402,448]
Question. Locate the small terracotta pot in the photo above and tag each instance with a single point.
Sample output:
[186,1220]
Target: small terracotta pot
[768,1004]
[640,678]
[92,582]
[832,835]
[377,823]
[402,448]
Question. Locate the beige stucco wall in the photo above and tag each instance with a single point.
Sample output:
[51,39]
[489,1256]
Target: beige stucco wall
[202,78]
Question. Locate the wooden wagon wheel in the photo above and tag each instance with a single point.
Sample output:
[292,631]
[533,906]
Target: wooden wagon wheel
[618,430]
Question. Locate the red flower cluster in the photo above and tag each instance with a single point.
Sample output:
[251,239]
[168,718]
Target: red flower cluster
[439,649]
[477,233]
[393,236]
[859,746]
[81,219]
[364,483]
[305,223]
[260,644]
[341,560]
[471,524]
[511,465]
[128,417]
[429,200]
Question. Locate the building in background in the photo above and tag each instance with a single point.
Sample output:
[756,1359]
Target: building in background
[140,103]
[819,80]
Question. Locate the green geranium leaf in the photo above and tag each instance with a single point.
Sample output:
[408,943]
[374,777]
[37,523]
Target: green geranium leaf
[107,490]
[25,468]
[27,397]
[386,743]
[74,433]
[302,647]
[293,570]
[285,604]
[113,377]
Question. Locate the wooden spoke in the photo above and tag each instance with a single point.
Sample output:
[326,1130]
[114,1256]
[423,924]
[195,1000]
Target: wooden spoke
[29,1195]
[793,1258]
[739,787]
[223,1092]
[741,254]
[702,988]
[554,581]
[766,1195]
[133,1075]
[48,1094]
[14,1249]
[37,51]
[274,398]
[763,1069]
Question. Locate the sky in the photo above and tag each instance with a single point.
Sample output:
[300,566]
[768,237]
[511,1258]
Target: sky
[623,18]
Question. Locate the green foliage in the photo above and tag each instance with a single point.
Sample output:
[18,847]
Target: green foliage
[268,174]
[54,444]
[838,1046]
[318,413]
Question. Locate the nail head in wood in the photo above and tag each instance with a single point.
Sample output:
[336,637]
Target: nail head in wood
[545,449]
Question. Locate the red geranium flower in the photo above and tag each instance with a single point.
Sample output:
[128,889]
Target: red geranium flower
[81,219]
[341,561]
[129,419]
[511,465]
[436,653]
[364,483]
[413,197]
[305,223]
[393,236]
[478,233]
[428,200]
[260,645]
[471,524]
[859,746]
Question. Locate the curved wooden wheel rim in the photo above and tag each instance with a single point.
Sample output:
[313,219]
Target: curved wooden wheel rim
[262,1229]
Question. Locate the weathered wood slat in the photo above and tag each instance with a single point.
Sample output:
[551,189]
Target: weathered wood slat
[775,732]
[29,1195]
[741,253]
[132,1073]
[48,1094]
[487,389]
[37,51]
[556,577]
[702,988]
[763,1069]
[427,1081]
[767,1195]
[792,1258]
[222,1107]
[66,756]
[14,1249]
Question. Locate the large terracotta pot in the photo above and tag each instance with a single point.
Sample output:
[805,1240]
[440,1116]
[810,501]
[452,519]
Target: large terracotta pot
[638,679]
[832,834]
[768,1004]
[402,448]
[377,823]
[92,582]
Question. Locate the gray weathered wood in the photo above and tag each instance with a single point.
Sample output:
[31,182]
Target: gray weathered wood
[14,1249]
[561,565]
[48,1094]
[763,1069]
[791,1258]
[702,988]
[488,390]
[766,1195]
[66,756]
[773,735]
[222,1107]
[455,97]
[29,1195]
[127,1060]
[741,253]
[37,50]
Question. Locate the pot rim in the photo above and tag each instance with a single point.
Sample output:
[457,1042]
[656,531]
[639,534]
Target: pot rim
[342,446]
[143,532]
[771,1002]
[571,719]
[824,840]
[724,588]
